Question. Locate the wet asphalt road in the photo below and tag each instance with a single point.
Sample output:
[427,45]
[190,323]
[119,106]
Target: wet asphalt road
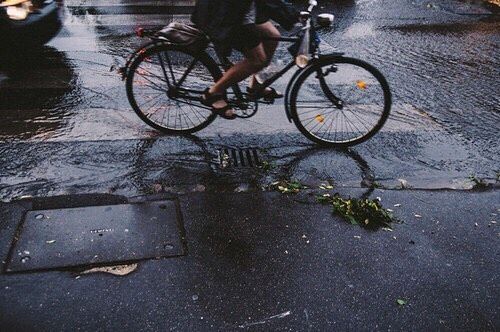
[65,116]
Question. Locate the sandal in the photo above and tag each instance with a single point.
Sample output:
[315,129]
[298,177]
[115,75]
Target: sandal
[270,94]
[209,99]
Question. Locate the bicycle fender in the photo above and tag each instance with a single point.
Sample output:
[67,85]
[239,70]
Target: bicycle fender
[288,92]
[123,71]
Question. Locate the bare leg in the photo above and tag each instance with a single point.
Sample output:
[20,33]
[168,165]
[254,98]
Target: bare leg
[268,30]
[255,60]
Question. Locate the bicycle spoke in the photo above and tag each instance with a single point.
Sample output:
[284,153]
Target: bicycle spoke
[169,64]
[183,78]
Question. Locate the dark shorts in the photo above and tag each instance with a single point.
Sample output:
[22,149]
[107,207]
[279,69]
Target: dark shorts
[247,37]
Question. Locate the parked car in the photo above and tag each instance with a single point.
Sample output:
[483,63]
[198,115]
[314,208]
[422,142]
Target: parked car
[25,23]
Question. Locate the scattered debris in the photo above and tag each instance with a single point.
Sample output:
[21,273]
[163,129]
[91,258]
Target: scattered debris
[267,166]
[243,187]
[288,187]
[403,184]
[195,297]
[265,320]
[199,188]
[50,241]
[364,212]
[326,186]
[401,302]
[397,205]
[418,216]
[478,183]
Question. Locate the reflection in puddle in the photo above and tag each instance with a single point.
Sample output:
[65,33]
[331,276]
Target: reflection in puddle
[37,91]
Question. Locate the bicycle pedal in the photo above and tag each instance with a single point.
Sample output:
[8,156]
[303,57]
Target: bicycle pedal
[267,101]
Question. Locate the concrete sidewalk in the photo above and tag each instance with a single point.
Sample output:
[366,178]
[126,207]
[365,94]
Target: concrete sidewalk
[268,261]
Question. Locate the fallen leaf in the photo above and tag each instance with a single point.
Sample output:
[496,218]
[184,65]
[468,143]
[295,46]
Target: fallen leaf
[401,302]
[50,241]
[397,205]
[118,270]
[418,216]
[361,84]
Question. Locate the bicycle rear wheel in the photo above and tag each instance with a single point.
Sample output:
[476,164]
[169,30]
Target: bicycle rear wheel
[340,101]
[164,84]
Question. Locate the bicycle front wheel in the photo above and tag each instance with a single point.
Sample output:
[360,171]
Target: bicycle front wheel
[340,101]
[164,84]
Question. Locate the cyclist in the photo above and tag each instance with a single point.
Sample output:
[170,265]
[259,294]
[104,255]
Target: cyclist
[242,25]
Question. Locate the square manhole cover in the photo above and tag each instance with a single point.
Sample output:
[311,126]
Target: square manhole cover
[98,234]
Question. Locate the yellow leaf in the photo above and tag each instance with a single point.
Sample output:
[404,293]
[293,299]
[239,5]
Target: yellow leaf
[361,84]
[320,118]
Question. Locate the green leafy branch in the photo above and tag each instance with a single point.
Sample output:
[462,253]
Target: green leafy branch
[363,212]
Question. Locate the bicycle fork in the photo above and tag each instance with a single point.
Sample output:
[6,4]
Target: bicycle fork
[339,103]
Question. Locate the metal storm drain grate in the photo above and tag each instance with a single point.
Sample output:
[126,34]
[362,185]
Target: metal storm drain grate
[82,236]
[244,157]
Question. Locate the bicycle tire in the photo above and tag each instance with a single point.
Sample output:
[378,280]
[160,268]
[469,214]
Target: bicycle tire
[332,61]
[203,58]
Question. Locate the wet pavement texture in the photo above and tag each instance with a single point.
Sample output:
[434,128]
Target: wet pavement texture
[267,261]
[68,129]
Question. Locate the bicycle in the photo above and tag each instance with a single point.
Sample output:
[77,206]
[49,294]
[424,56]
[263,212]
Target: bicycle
[333,100]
